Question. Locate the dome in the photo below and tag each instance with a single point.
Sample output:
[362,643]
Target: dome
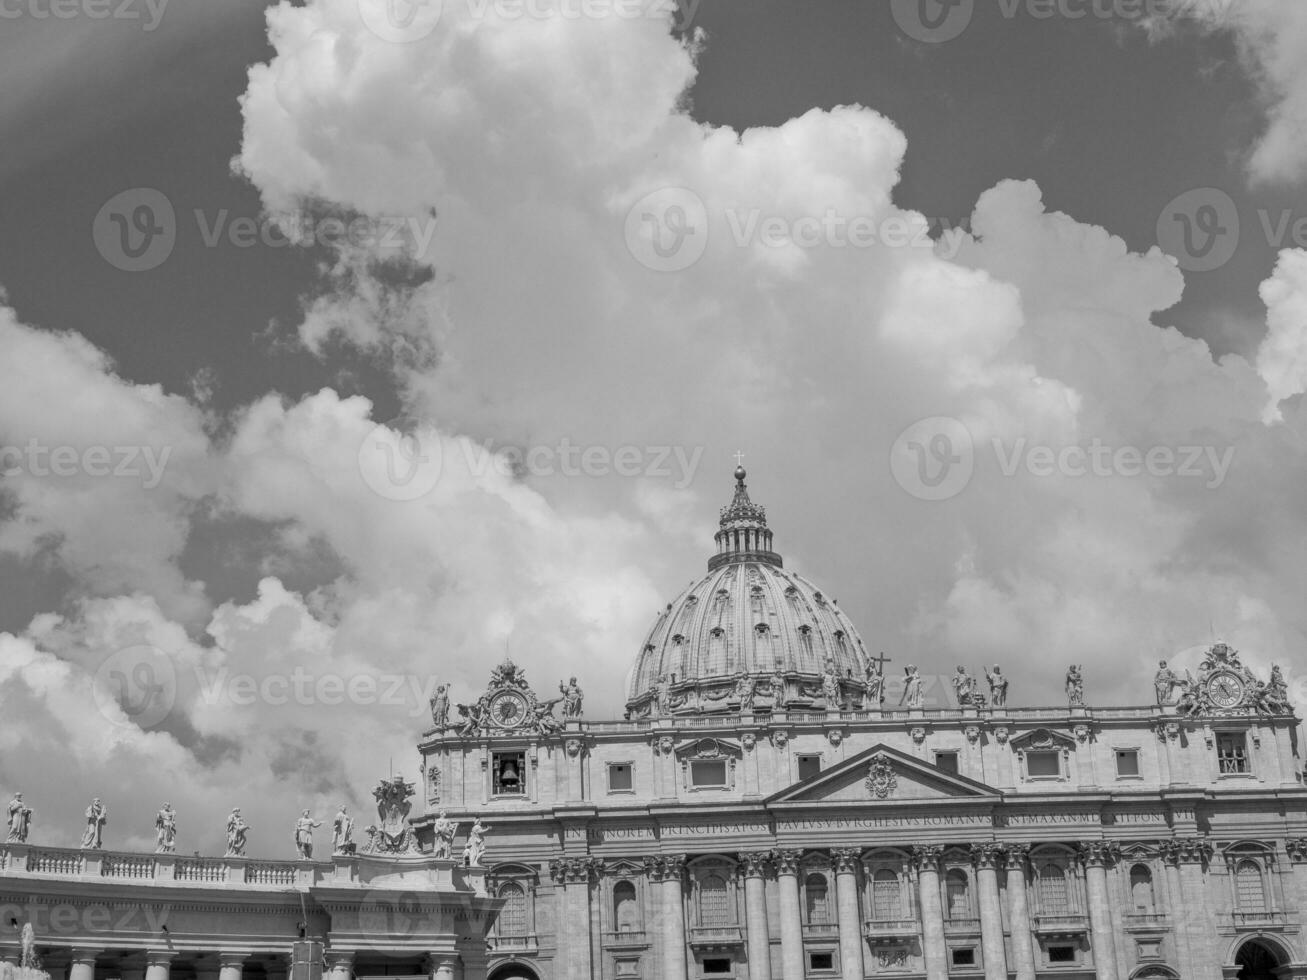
[749,633]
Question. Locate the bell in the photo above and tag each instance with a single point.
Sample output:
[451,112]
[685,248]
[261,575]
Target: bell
[508,777]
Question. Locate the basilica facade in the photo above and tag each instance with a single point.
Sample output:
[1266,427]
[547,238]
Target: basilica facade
[776,805]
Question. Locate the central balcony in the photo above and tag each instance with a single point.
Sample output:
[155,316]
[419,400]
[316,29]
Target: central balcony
[884,932]
[513,944]
[1061,924]
[821,930]
[715,937]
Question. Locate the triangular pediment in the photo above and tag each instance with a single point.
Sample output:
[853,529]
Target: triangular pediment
[883,775]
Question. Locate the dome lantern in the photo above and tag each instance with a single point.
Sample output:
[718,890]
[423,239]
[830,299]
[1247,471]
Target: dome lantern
[743,534]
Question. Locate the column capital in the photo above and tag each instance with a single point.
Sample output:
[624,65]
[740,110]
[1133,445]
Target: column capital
[1186,850]
[1015,856]
[787,861]
[160,957]
[231,960]
[846,859]
[1098,853]
[574,870]
[927,856]
[665,867]
[84,954]
[755,864]
[987,854]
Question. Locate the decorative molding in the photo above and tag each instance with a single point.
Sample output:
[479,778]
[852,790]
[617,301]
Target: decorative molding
[666,745]
[1187,850]
[1083,733]
[573,747]
[918,734]
[1296,847]
[973,733]
[748,740]
[665,867]
[846,860]
[755,864]
[780,739]
[835,737]
[1001,734]
[787,861]
[987,854]
[1015,856]
[927,856]
[574,870]
[1097,853]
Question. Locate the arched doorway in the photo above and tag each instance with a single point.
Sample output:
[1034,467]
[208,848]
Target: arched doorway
[513,971]
[1257,960]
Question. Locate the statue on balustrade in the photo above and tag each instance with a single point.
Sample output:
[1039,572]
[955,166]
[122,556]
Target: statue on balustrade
[830,687]
[92,837]
[1165,682]
[778,688]
[913,687]
[165,830]
[663,695]
[874,695]
[743,692]
[237,829]
[304,828]
[475,848]
[572,698]
[444,830]
[1075,687]
[20,820]
[440,708]
[1275,699]
[964,686]
[342,832]
[997,687]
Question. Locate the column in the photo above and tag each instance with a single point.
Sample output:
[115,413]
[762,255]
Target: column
[932,910]
[572,881]
[787,887]
[1096,855]
[1023,943]
[443,966]
[231,964]
[81,965]
[1194,925]
[667,871]
[987,857]
[755,913]
[850,921]
[339,966]
[158,962]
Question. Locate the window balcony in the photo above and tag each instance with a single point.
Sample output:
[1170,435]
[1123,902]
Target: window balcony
[1259,920]
[625,939]
[891,931]
[1061,924]
[1140,919]
[821,930]
[513,944]
[716,936]
[961,924]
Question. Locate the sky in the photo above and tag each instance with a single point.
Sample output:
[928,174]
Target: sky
[348,346]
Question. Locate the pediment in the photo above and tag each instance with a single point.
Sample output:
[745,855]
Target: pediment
[883,775]
[1043,738]
[710,748]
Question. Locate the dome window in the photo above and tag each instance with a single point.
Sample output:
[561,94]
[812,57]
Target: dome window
[819,599]
[762,629]
[678,639]
[716,632]
[805,629]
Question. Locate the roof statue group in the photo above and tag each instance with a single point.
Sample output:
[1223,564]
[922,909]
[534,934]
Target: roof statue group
[392,834]
[509,704]
[1224,685]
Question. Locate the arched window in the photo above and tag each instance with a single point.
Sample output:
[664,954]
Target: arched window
[1248,887]
[1052,891]
[814,887]
[959,894]
[886,901]
[513,918]
[714,902]
[1141,888]
[626,917]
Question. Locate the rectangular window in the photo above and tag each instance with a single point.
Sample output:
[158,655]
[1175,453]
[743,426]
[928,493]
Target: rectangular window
[509,773]
[1127,762]
[708,773]
[964,957]
[1061,954]
[809,766]
[619,777]
[1044,764]
[821,961]
[1231,752]
[947,761]
[717,965]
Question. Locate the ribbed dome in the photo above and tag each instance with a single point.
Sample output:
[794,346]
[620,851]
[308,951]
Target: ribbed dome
[748,616]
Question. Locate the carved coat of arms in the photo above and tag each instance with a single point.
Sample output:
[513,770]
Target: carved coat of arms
[881,781]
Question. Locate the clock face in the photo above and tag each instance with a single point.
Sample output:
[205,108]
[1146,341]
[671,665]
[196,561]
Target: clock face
[508,709]
[1225,689]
